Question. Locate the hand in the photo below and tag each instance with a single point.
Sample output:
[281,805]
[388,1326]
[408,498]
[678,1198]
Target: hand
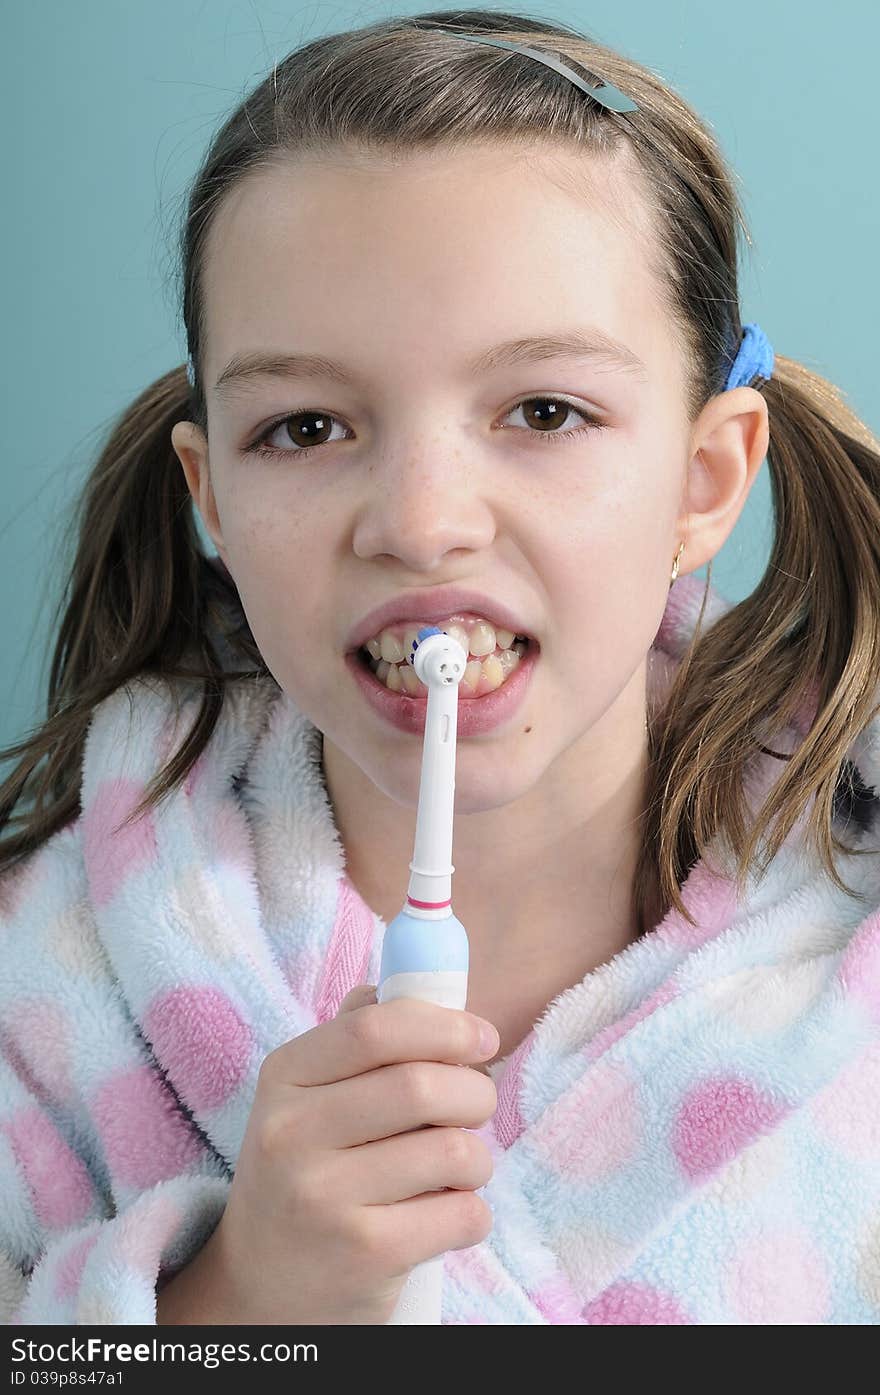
[334,1198]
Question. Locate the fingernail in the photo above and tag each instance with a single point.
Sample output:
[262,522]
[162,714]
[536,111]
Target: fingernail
[489,1038]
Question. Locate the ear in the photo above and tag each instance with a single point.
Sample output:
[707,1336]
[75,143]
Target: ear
[191,447]
[728,444]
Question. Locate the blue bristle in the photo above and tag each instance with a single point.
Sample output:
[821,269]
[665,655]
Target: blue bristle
[423,635]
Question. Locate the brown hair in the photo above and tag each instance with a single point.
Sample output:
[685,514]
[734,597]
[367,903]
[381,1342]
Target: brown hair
[141,596]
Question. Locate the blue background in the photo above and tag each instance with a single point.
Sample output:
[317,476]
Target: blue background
[108,108]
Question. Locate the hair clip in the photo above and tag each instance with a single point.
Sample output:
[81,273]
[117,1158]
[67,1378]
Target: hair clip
[603,92]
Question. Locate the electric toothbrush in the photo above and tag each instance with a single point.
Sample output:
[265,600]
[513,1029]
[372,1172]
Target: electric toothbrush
[425,949]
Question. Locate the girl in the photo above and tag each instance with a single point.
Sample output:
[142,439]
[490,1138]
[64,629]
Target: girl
[412,264]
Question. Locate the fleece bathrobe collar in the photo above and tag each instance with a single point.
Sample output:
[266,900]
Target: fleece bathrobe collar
[231,927]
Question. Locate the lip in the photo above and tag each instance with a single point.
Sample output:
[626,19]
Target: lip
[433,605]
[476,715]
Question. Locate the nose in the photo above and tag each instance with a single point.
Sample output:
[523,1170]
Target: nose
[422,505]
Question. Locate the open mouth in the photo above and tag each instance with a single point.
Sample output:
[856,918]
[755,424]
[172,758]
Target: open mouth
[483,674]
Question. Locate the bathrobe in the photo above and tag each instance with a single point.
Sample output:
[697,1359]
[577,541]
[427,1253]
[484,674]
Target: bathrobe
[688,1135]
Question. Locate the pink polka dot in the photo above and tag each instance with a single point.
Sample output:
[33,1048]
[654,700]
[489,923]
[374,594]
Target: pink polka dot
[145,1137]
[110,856]
[473,1272]
[557,1301]
[839,1111]
[595,1127]
[779,1279]
[58,1178]
[860,966]
[635,1305]
[70,1267]
[718,1118]
[710,896]
[39,1038]
[202,1041]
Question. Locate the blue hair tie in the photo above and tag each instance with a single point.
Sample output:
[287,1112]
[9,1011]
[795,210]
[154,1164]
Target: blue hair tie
[755,356]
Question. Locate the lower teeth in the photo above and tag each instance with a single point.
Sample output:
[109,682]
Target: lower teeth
[481,676]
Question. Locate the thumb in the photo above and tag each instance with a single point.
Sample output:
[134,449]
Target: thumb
[358,997]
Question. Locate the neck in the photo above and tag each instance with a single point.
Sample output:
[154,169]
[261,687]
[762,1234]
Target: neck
[549,874]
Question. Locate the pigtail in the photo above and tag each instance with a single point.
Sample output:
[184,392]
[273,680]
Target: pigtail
[140,598]
[803,648]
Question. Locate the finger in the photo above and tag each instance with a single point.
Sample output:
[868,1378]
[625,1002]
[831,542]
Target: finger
[394,1100]
[360,996]
[422,1227]
[393,1169]
[363,1038]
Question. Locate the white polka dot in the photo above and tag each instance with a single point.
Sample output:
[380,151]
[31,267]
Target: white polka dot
[767,999]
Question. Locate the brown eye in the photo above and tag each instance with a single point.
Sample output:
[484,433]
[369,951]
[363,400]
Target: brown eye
[300,439]
[545,415]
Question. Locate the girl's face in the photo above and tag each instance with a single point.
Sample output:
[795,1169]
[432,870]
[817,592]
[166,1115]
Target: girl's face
[432,474]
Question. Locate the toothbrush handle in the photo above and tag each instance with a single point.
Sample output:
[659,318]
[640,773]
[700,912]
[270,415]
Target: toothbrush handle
[421,1297]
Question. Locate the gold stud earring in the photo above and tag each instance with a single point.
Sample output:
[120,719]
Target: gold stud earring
[675,565]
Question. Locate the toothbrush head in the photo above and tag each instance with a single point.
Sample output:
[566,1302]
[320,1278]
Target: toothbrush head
[437,658]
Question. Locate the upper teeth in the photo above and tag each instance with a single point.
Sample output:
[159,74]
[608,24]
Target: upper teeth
[477,637]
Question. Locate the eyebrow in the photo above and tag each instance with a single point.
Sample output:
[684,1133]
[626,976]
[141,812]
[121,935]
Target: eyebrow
[248,367]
